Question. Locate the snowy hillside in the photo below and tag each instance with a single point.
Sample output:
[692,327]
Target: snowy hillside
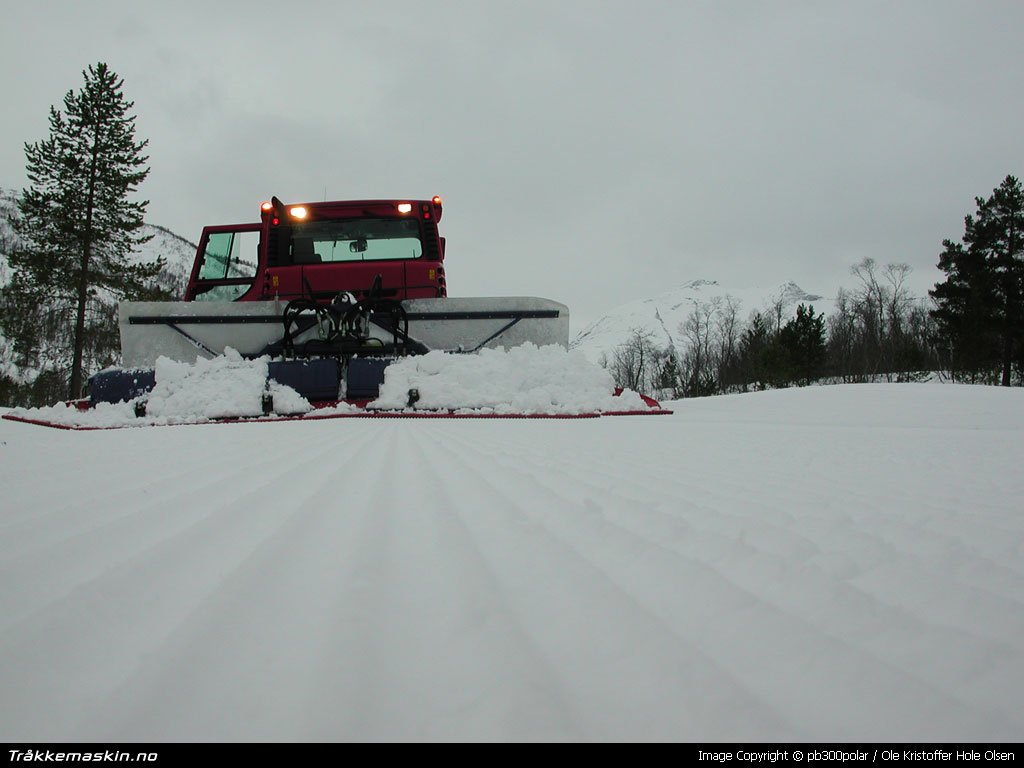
[662,315]
[178,252]
[7,241]
[833,563]
[7,210]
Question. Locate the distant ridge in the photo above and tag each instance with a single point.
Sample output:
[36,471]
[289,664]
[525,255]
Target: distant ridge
[661,316]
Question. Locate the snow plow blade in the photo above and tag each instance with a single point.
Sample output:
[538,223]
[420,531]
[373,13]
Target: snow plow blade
[183,330]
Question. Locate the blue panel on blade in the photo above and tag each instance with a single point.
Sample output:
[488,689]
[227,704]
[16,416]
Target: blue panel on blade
[313,379]
[120,385]
[364,376]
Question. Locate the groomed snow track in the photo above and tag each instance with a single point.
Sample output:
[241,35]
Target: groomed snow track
[824,565]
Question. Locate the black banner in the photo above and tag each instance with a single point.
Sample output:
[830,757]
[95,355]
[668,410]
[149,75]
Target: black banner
[889,754]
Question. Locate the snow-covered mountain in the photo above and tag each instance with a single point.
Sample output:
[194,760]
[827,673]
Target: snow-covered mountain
[661,316]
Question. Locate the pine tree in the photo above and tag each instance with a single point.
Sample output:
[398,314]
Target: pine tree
[668,380]
[980,305]
[803,340]
[78,228]
[964,313]
[754,345]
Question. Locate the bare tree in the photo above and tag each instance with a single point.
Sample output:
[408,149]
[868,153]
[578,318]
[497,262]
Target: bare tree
[897,310]
[843,337]
[776,312]
[899,298]
[728,330]
[697,363]
[634,363]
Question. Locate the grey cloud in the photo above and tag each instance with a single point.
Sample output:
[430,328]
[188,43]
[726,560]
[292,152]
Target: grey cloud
[591,152]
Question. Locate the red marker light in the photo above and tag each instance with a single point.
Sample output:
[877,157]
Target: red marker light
[275,221]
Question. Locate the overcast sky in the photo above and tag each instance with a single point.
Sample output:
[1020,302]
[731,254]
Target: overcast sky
[590,152]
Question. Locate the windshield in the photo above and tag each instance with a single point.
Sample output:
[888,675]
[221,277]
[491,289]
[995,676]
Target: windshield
[355,240]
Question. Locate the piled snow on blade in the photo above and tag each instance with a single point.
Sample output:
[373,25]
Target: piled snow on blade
[103,416]
[523,380]
[340,408]
[227,386]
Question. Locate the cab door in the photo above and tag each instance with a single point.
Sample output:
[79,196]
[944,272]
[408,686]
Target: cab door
[227,263]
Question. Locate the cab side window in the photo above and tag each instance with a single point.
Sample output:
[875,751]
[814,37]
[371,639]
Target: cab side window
[230,256]
[229,265]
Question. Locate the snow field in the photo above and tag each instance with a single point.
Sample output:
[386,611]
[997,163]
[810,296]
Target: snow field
[841,563]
